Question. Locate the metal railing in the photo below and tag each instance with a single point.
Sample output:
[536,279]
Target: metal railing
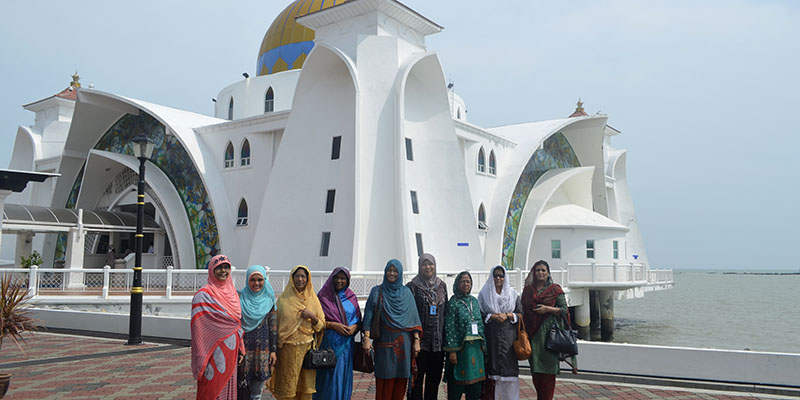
[171,282]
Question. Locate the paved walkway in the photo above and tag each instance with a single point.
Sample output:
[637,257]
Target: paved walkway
[58,366]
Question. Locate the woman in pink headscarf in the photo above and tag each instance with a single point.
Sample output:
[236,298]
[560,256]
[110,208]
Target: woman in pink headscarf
[217,345]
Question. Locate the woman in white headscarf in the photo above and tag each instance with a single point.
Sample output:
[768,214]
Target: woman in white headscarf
[502,312]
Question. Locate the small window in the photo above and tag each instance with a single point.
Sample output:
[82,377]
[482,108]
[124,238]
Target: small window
[414,205]
[419,245]
[616,249]
[230,110]
[229,155]
[492,164]
[409,150]
[482,218]
[325,245]
[481,161]
[241,216]
[555,249]
[329,201]
[245,153]
[590,249]
[336,148]
[458,112]
[269,101]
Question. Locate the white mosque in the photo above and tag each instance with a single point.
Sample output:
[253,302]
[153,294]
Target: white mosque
[348,148]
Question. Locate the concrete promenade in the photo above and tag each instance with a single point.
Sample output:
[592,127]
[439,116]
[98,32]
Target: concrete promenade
[61,366]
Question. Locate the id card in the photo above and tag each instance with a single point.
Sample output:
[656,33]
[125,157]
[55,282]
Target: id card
[433,310]
[474,328]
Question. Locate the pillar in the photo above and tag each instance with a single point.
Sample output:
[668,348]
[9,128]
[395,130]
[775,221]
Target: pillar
[75,251]
[606,298]
[582,318]
[594,315]
[24,246]
[3,195]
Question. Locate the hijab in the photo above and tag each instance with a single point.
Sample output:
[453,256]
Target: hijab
[432,289]
[548,296]
[493,303]
[223,291]
[292,302]
[331,303]
[399,306]
[256,305]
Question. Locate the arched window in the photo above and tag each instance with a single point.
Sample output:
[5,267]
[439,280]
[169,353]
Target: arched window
[230,110]
[245,153]
[481,161]
[269,101]
[482,218]
[229,156]
[241,216]
[492,164]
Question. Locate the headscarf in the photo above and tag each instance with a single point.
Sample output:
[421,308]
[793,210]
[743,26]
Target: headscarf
[223,291]
[331,303]
[291,303]
[215,316]
[399,306]
[493,303]
[530,298]
[433,288]
[462,311]
[256,305]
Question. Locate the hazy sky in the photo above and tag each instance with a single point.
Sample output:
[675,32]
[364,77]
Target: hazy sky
[704,92]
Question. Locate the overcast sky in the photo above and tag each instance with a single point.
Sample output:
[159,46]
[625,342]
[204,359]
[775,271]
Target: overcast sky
[704,92]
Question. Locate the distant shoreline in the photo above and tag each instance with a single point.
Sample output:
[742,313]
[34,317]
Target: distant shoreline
[755,273]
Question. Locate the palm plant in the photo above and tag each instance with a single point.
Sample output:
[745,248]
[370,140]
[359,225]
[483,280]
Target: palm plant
[15,318]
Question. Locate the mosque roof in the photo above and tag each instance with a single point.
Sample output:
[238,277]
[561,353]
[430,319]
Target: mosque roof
[286,44]
[574,216]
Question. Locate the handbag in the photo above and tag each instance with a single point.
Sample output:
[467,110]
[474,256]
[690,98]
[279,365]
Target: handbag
[522,346]
[363,360]
[375,326]
[316,358]
[563,341]
[243,384]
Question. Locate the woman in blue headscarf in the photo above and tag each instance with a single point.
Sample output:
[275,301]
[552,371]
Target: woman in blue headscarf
[260,331]
[398,330]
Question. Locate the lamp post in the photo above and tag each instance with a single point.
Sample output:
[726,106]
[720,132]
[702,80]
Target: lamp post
[143,148]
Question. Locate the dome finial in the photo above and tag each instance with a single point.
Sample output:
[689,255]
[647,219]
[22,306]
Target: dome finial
[75,80]
[579,112]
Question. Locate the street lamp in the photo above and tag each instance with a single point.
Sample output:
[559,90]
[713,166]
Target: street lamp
[143,149]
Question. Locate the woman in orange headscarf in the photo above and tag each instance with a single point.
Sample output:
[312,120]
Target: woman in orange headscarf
[300,319]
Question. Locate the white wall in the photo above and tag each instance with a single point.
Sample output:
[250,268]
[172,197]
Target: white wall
[248,94]
[573,246]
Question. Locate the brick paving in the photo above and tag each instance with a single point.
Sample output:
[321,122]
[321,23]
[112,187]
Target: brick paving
[58,366]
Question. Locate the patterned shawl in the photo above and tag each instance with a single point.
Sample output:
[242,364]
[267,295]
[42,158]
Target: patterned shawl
[531,297]
[291,303]
[332,304]
[462,311]
[493,303]
[433,289]
[256,305]
[214,317]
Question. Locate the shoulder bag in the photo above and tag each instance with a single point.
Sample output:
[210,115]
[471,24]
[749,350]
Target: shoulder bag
[522,346]
[317,358]
[375,327]
[563,341]
[363,360]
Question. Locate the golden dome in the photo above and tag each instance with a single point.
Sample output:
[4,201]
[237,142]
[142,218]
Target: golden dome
[287,43]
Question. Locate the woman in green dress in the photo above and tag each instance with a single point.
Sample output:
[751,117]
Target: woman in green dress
[543,304]
[465,342]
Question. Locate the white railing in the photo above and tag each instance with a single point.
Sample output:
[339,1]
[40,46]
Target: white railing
[171,282]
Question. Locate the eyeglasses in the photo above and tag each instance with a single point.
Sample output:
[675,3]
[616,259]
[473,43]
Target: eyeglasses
[499,276]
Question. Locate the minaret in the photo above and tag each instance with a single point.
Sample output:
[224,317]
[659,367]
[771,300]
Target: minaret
[579,112]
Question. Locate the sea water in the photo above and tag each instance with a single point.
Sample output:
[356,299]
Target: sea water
[713,309]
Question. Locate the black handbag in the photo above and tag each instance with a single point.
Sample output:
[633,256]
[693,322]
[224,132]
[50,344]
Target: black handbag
[363,360]
[243,385]
[319,358]
[563,341]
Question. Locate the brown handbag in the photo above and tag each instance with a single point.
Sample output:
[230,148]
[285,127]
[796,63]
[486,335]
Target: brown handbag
[522,346]
[363,359]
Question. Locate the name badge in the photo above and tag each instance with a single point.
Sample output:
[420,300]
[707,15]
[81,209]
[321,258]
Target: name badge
[433,310]
[474,328]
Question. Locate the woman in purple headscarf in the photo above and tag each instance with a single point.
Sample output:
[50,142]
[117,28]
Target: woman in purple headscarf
[342,319]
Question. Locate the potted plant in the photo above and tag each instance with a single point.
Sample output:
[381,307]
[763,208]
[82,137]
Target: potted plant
[34,259]
[15,319]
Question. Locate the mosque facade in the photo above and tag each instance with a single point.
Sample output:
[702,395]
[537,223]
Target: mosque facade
[347,148]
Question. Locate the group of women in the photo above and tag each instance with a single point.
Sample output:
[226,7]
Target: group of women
[249,338]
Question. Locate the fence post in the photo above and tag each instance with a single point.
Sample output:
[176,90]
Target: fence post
[106,280]
[33,287]
[169,282]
